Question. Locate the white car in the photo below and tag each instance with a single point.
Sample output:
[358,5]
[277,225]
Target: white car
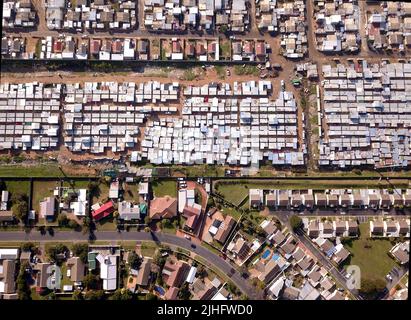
[282,85]
[187,237]
[388,277]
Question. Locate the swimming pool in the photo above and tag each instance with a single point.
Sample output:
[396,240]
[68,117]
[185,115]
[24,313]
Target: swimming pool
[266,253]
[275,256]
[160,290]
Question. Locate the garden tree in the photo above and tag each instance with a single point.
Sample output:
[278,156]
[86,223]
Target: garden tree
[371,287]
[80,250]
[122,270]
[73,224]
[134,260]
[23,289]
[147,229]
[62,220]
[231,287]
[18,197]
[159,279]
[93,187]
[210,202]
[184,292]
[158,259]
[95,295]
[260,231]
[150,296]
[107,180]
[243,270]
[201,272]
[77,295]
[28,246]
[176,224]
[91,281]
[296,222]
[54,251]
[20,210]
[121,294]
[166,223]
[147,219]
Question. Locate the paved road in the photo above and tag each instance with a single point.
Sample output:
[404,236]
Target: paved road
[319,255]
[73,236]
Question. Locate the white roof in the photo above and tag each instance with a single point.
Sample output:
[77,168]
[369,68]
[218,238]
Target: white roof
[191,275]
[10,254]
[108,271]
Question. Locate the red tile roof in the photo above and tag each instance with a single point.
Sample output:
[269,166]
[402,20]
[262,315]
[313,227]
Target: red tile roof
[104,211]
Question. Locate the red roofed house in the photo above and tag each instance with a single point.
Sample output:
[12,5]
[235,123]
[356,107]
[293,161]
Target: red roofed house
[174,274]
[171,294]
[164,207]
[104,211]
[191,213]
[95,46]
[58,46]
[176,47]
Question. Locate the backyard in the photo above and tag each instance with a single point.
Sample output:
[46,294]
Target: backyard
[371,255]
[41,190]
[164,188]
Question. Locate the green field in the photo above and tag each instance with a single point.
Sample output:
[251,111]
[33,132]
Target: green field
[49,170]
[231,212]
[164,188]
[371,255]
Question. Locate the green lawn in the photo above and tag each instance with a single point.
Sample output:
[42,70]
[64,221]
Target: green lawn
[17,186]
[41,190]
[49,170]
[374,261]
[106,224]
[148,249]
[164,188]
[231,212]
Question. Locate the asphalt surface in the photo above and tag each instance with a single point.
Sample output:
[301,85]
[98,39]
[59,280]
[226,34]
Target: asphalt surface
[215,260]
[319,255]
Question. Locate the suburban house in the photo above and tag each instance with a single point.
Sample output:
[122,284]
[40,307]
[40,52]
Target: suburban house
[175,274]
[47,208]
[203,289]
[76,268]
[192,214]
[163,207]
[401,252]
[220,230]
[256,198]
[143,275]
[128,211]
